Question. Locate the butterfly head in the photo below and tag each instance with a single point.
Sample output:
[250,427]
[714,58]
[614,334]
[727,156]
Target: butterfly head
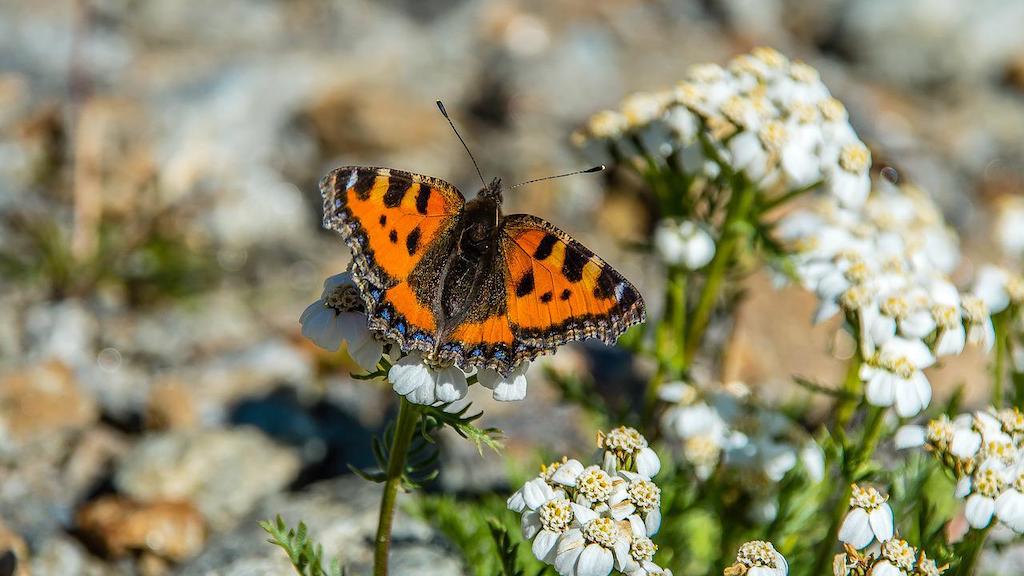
[491,191]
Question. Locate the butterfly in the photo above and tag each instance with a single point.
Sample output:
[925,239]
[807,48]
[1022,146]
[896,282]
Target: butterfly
[463,283]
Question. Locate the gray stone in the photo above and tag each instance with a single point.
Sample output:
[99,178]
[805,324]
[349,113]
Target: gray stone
[342,516]
[223,472]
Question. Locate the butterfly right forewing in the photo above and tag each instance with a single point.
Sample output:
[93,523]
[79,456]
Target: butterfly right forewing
[392,220]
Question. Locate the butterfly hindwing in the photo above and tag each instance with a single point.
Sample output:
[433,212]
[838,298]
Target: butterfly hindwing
[559,291]
[391,220]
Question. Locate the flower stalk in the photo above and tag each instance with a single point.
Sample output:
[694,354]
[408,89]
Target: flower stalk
[404,429]
[999,360]
[973,545]
[732,234]
[852,463]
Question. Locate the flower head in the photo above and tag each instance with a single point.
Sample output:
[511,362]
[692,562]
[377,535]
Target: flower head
[339,316]
[869,518]
[758,558]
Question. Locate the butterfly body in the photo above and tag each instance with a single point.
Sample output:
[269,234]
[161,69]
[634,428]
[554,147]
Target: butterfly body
[463,283]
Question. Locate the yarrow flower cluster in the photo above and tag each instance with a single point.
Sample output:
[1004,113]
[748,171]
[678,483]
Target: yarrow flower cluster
[895,557]
[722,427]
[339,316]
[589,520]
[869,519]
[885,267]
[985,451]
[762,115]
[758,558]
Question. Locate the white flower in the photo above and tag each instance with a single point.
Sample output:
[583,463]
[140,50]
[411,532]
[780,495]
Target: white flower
[639,495]
[897,559]
[546,526]
[984,486]
[946,312]
[594,545]
[1009,506]
[760,558]
[629,450]
[683,244]
[979,322]
[869,518]
[990,285]
[894,376]
[909,436]
[1010,226]
[506,388]
[422,384]
[338,317]
[848,180]
[642,550]
[813,459]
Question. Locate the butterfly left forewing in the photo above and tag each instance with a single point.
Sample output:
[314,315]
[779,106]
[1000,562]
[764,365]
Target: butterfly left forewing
[559,291]
[392,220]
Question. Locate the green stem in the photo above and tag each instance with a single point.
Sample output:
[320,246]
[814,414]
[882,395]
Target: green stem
[847,405]
[404,429]
[827,550]
[999,364]
[974,547]
[678,297]
[669,346]
[853,461]
[716,271]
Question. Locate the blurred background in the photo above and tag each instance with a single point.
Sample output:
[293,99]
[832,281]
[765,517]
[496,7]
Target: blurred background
[160,235]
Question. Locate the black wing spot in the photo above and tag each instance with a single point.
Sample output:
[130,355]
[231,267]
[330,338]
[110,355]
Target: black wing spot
[412,241]
[393,236]
[397,187]
[606,282]
[546,297]
[575,260]
[364,183]
[566,293]
[547,243]
[422,197]
[383,220]
[525,285]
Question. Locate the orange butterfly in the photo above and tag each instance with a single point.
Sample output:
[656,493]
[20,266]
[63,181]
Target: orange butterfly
[464,283]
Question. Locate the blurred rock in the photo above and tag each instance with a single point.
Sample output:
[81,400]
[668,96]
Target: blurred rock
[223,472]
[92,459]
[170,406]
[342,516]
[13,553]
[63,555]
[63,331]
[118,526]
[40,403]
[928,42]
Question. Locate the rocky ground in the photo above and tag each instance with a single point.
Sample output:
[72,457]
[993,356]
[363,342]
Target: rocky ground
[156,399]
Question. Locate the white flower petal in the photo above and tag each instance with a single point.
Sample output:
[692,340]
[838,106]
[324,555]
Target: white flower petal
[545,546]
[856,529]
[595,561]
[647,463]
[567,473]
[506,388]
[979,510]
[910,436]
[882,522]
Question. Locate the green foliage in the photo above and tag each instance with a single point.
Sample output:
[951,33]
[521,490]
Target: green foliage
[306,556]
[423,455]
[149,261]
[484,531]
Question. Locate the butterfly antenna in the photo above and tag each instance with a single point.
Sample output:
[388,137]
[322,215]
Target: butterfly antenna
[587,171]
[444,113]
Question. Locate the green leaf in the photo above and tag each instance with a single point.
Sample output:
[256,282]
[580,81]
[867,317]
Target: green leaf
[305,555]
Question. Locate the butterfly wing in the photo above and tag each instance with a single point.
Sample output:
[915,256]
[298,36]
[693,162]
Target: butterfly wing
[393,221]
[555,291]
